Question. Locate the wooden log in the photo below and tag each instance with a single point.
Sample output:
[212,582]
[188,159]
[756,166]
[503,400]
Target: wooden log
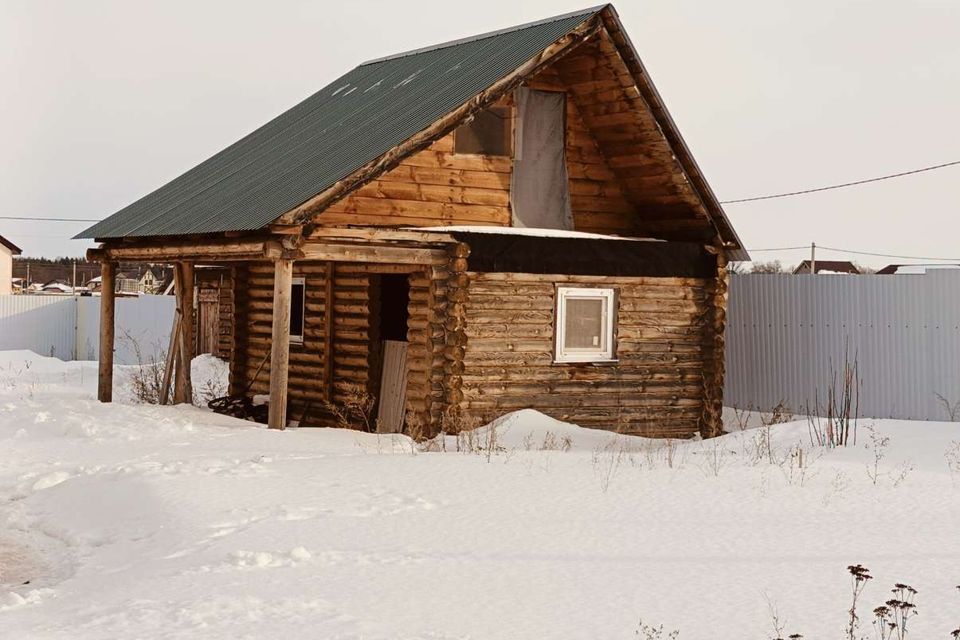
[108,272]
[343,252]
[187,330]
[214,250]
[183,289]
[280,348]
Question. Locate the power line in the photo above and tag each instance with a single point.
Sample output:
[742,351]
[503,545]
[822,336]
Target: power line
[857,252]
[778,249]
[841,186]
[887,255]
[33,218]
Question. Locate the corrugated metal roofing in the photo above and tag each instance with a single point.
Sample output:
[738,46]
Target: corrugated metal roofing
[331,134]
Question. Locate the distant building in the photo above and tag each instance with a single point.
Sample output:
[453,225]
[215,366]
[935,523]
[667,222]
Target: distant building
[152,279]
[902,269]
[828,266]
[125,283]
[7,251]
[56,287]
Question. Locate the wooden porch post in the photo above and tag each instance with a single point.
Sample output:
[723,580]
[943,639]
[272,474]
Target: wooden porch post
[183,287]
[280,344]
[108,271]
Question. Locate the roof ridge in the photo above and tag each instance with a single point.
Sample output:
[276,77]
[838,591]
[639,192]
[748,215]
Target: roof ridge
[490,34]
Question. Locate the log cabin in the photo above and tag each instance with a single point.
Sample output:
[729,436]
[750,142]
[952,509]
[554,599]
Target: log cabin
[505,221]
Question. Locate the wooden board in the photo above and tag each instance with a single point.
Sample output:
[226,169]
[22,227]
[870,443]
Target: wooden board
[393,387]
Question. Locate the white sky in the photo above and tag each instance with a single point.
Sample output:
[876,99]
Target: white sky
[104,101]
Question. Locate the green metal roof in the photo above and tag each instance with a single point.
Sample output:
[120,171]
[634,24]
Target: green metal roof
[331,134]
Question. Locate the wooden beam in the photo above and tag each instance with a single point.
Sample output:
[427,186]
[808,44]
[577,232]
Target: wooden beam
[213,250]
[379,234]
[179,388]
[280,345]
[345,252]
[188,348]
[108,272]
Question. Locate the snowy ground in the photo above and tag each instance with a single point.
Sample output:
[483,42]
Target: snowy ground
[133,521]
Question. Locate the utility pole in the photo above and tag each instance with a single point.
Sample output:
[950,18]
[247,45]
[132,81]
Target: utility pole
[813,258]
[74,276]
[28,278]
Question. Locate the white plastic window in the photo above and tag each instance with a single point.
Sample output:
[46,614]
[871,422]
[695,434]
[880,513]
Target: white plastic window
[585,324]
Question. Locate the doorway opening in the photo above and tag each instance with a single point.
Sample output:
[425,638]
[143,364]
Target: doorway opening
[394,300]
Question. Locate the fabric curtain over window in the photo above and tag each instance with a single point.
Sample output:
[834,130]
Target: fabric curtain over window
[539,195]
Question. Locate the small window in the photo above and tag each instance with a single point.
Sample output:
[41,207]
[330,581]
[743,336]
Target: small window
[296,310]
[488,134]
[585,324]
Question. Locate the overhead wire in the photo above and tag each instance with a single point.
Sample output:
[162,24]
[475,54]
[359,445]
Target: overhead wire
[842,185]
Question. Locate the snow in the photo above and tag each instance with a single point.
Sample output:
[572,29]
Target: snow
[140,521]
[921,269]
[526,231]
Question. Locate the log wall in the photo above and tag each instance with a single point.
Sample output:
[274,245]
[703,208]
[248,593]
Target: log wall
[355,359]
[253,313]
[664,341]
[431,188]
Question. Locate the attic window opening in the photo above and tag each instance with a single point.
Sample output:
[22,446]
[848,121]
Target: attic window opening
[490,133]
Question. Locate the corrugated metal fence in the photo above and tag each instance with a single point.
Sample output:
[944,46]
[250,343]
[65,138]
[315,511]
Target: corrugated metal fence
[788,334]
[68,327]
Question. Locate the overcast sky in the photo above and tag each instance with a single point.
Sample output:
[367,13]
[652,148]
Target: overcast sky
[103,101]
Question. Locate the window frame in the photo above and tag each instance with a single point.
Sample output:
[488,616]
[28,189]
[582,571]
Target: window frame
[298,338]
[606,353]
[510,134]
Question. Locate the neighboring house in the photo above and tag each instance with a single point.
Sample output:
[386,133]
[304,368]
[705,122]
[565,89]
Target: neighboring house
[510,220]
[123,283]
[7,251]
[153,279]
[828,266]
[148,281]
[913,269]
[56,287]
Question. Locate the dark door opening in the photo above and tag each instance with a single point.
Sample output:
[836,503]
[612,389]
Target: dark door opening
[394,300]
[394,314]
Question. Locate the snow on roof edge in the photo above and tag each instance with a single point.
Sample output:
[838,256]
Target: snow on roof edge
[528,231]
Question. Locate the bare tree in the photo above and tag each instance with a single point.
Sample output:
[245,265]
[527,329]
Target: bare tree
[772,266]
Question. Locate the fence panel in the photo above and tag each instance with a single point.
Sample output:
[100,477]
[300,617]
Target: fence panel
[141,323]
[788,336]
[68,327]
[42,324]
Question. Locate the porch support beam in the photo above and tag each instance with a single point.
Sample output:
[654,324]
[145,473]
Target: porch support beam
[213,250]
[183,286]
[108,272]
[280,343]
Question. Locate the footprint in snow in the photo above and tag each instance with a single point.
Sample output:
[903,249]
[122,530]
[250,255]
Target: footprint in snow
[388,504]
[50,480]
[269,560]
